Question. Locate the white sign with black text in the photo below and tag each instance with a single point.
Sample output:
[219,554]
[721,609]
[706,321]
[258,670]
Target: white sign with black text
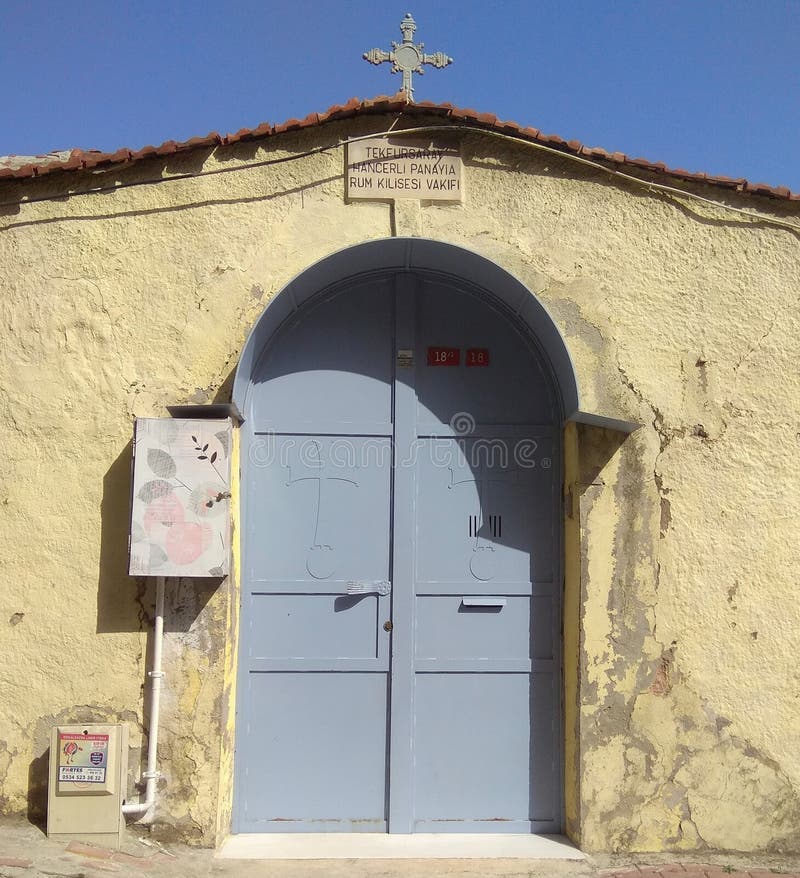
[385,168]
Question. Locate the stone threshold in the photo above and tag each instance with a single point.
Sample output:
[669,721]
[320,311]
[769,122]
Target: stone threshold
[379,846]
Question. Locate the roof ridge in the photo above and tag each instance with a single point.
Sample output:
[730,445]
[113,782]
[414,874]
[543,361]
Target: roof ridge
[21,167]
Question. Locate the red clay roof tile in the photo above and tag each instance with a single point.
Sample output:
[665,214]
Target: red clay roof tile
[211,139]
[289,125]
[168,147]
[760,188]
[650,166]
[554,138]
[260,130]
[10,166]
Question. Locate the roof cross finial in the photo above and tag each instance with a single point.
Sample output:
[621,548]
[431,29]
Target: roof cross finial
[406,57]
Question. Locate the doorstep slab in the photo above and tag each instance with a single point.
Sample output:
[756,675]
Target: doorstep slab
[377,846]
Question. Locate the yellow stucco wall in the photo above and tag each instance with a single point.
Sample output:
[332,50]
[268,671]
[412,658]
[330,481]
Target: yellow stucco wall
[683,629]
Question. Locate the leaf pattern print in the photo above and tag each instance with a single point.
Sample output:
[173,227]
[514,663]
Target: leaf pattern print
[161,463]
[154,489]
[223,438]
[181,499]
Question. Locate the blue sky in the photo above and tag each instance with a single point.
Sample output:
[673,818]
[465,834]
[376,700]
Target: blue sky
[710,85]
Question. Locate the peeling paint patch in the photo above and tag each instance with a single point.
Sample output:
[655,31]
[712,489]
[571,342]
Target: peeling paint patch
[661,684]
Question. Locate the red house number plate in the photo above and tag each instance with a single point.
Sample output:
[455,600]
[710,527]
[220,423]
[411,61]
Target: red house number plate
[444,356]
[478,356]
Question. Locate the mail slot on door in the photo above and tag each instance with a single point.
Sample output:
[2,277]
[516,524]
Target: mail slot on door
[489,603]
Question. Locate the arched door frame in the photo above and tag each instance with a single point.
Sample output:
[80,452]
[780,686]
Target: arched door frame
[467,269]
[388,255]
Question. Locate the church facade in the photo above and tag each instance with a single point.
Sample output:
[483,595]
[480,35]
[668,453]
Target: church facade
[513,490]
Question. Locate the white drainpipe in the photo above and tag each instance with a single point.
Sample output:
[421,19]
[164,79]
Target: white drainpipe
[150,775]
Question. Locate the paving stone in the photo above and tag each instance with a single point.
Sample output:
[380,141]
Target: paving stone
[26,854]
[89,850]
[163,857]
[97,864]
[131,860]
[57,873]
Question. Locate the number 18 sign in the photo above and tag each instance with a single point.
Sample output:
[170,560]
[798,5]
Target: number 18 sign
[444,356]
[452,357]
[477,356]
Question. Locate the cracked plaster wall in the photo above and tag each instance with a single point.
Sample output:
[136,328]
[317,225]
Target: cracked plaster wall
[683,318]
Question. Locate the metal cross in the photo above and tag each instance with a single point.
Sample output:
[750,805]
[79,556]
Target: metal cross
[482,480]
[481,564]
[406,57]
[321,558]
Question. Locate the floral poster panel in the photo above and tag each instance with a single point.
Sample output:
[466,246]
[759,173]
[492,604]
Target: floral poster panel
[180,516]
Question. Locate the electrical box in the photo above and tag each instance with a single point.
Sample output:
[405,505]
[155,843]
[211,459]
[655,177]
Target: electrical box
[88,776]
[180,510]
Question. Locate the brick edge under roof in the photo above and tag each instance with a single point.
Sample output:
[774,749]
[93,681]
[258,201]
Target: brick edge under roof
[78,160]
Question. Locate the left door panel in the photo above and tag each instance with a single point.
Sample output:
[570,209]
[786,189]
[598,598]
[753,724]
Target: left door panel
[313,749]
[314,656]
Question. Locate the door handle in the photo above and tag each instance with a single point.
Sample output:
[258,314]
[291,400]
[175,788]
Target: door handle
[379,586]
[484,602]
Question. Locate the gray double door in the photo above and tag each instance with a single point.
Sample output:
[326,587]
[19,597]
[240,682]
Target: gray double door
[399,655]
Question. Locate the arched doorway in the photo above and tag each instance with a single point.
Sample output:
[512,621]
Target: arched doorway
[401,577]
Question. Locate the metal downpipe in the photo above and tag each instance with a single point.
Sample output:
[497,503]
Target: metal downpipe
[142,809]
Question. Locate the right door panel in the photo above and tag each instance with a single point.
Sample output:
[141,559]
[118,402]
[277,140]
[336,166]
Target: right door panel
[486,694]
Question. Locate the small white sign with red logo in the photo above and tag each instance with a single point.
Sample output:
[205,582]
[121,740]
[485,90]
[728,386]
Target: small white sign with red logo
[82,758]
